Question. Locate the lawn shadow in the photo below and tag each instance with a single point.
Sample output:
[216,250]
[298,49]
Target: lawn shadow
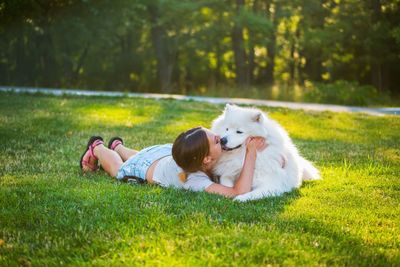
[219,209]
[84,212]
[350,250]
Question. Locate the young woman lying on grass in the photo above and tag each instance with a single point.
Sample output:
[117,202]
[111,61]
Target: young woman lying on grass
[185,164]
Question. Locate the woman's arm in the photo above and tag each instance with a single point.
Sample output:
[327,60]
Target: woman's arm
[245,180]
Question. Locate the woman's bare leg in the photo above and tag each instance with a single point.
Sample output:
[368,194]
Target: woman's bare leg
[124,152]
[109,159]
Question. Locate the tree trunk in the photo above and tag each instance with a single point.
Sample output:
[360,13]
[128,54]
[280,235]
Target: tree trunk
[48,64]
[164,65]
[252,63]
[273,16]
[20,64]
[293,64]
[81,60]
[314,68]
[218,55]
[292,61]
[238,49]
[377,69]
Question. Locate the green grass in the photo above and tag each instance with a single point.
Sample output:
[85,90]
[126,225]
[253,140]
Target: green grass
[52,215]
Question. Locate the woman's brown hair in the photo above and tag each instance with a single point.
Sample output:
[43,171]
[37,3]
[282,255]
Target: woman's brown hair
[189,150]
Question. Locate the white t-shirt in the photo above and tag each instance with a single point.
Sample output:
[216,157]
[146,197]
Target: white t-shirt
[167,172]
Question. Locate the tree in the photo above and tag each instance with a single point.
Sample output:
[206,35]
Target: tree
[178,46]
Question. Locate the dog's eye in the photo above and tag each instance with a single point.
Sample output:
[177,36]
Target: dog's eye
[239,132]
[227,129]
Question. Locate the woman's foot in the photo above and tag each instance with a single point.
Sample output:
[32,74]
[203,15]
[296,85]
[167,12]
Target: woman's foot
[89,162]
[114,142]
[117,144]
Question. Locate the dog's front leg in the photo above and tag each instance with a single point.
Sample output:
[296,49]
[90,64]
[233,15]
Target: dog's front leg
[255,194]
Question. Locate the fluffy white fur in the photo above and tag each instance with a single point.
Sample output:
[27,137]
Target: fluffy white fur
[270,178]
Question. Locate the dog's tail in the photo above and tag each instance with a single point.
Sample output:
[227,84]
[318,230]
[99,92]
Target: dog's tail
[309,171]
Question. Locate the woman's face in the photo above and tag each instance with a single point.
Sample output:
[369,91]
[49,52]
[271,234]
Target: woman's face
[215,146]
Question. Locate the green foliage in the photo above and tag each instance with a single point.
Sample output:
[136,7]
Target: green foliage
[52,215]
[179,46]
[345,93]
[340,92]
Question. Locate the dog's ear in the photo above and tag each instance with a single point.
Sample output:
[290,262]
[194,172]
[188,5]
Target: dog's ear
[257,117]
[228,106]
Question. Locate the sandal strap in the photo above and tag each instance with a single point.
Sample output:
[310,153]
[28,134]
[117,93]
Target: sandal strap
[93,145]
[115,143]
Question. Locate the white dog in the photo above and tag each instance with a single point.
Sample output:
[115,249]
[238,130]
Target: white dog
[279,168]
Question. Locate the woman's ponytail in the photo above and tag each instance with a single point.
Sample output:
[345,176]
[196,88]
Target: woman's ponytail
[183,176]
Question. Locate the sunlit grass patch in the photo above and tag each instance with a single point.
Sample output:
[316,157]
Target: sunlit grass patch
[117,115]
[333,126]
[389,154]
[187,121]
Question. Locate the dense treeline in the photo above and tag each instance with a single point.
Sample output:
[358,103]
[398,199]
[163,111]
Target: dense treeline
[178,45]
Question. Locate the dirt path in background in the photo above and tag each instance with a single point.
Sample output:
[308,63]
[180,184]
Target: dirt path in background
[215,100]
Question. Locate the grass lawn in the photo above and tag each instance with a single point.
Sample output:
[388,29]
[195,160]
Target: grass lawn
[51,214]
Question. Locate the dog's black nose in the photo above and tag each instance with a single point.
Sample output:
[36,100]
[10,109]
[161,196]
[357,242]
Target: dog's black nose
[223,141]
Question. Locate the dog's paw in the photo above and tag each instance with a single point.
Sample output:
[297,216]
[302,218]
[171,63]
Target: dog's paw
[241,198]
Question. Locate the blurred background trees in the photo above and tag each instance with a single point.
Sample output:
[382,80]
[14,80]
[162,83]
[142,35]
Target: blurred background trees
[325,47]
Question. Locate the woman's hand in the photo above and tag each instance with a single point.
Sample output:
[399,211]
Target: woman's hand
[245,180]
[255,143]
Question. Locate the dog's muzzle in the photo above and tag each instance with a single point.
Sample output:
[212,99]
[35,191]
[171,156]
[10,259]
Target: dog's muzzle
[223,141]
[230,149]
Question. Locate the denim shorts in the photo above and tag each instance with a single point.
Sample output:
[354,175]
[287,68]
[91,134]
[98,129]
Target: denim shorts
[137,165]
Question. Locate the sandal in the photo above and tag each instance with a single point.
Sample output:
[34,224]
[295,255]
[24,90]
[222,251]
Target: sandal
[88,159]
[114,142]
